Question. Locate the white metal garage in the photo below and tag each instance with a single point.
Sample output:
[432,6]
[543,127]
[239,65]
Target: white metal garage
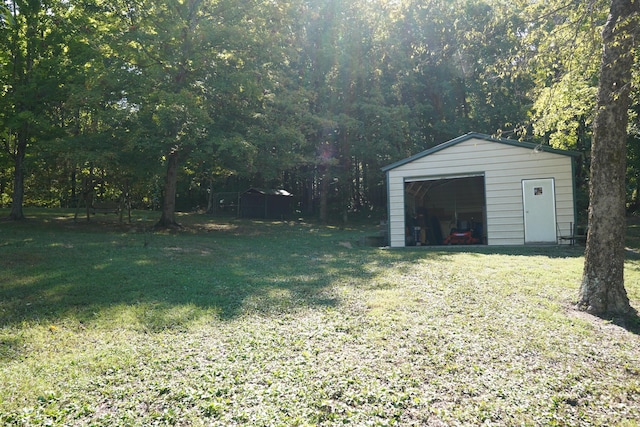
[484,190]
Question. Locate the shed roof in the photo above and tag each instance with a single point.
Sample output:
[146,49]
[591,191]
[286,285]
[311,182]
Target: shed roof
[269,192]
[474,135]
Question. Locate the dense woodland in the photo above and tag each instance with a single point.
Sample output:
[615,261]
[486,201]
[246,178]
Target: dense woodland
[164,103]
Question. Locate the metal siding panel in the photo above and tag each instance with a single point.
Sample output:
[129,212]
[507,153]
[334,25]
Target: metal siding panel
[395,189]
[474,153]
[505,215]
[505,241]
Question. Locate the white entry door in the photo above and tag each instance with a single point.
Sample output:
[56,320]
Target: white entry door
[539,199]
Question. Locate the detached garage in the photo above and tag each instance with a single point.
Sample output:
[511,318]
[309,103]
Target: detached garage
[476,189]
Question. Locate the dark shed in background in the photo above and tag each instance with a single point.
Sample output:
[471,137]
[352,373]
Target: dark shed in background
[265,203]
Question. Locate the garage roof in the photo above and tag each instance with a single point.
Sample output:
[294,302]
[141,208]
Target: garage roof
[473,135]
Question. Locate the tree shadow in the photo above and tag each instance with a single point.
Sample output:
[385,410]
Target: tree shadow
[170,279]
[629,322]
[550,251]
[55,269]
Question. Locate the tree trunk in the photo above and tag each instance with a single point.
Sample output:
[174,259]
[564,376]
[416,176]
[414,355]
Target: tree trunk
[308,192]
[324,195]
[210,204]
[168,218]
[17,200]
[602,290]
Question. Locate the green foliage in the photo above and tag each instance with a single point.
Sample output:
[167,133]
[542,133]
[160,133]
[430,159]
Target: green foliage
[564,112]
[564,58]
[283,93]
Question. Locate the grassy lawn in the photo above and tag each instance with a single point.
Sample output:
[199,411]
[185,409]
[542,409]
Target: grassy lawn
[231,322]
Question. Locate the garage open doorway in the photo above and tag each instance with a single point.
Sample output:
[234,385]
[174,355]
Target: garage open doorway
[445,210]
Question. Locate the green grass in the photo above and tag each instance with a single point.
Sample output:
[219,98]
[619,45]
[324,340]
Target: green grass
[231,322]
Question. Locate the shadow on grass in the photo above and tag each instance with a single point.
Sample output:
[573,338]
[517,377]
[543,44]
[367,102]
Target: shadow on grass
[57,269]
[550,251]
[53,268]
[630,322]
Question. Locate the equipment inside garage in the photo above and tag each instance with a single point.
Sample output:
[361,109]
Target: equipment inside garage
[445,210]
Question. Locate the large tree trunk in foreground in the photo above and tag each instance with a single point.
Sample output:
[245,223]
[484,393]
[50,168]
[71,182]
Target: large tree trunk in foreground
[168,218]
[602,290]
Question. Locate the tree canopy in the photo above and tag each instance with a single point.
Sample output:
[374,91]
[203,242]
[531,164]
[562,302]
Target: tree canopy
[164,102]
